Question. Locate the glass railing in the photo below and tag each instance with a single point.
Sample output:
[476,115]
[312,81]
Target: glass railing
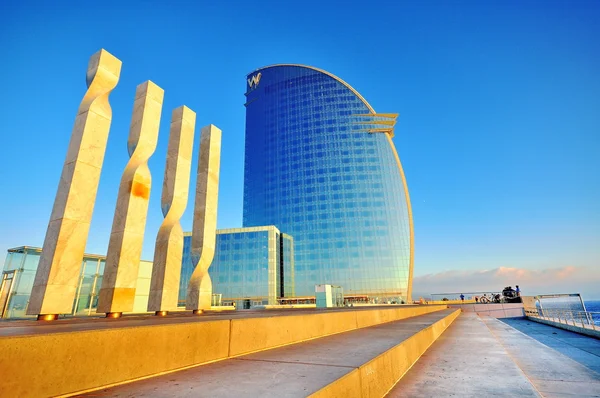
[584,319]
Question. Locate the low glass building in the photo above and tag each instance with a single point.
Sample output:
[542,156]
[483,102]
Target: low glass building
[252,266]
[21,264]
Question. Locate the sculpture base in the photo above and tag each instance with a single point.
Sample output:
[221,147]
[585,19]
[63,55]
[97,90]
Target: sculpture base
[198,312]
[161,313]
[114,314]
[47,317]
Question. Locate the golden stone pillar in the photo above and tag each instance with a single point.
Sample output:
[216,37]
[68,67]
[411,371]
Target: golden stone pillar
[204,228]
[57,275]
[164,285]
[127,236]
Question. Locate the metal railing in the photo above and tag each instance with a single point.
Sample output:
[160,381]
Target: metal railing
[584,319]
[483,297]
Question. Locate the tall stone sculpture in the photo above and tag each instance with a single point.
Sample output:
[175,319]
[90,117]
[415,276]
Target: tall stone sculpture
[127,235]
[204,228]
[57,275]
[164,285]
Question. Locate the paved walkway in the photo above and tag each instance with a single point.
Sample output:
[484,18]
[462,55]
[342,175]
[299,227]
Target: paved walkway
[485,356]
[586,351]
[466,361]
[552,373]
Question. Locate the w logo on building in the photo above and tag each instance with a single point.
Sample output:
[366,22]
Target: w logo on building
[253,81]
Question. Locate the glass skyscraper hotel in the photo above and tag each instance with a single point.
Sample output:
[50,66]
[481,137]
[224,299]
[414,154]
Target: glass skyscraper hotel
[321,165]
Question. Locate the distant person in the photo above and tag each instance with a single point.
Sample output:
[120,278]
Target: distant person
[518,291]
[476,299]
[462,297]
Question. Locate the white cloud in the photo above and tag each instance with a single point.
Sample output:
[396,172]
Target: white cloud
[568,279]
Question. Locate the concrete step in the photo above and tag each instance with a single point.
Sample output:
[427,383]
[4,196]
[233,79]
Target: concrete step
[78,355]
[366,362]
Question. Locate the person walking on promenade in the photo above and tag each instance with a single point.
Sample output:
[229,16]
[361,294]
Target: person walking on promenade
[462,297]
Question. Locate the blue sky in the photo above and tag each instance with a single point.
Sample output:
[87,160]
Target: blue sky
[499,127]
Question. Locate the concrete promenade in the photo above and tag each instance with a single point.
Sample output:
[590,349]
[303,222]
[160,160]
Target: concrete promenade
[466,361]
[298,353]
[581,349]
[586,351]
[479,356]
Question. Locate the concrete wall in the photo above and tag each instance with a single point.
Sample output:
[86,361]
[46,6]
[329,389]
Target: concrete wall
[449,302]
[502,310]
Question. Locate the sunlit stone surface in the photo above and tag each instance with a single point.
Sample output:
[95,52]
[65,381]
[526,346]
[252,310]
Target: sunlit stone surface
[164,286]
[205,219]
[127,236]
[58,272]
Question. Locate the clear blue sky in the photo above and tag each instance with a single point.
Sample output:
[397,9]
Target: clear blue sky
[499,128]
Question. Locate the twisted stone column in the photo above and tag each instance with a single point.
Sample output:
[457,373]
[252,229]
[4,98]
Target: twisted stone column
[57,275]
[204,228]
[168,253]
[127,236]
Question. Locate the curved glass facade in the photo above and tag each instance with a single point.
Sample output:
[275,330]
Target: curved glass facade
[317,168]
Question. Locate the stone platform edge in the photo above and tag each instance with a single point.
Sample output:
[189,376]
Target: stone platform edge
[566,326]
[378,376]
[62,364]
